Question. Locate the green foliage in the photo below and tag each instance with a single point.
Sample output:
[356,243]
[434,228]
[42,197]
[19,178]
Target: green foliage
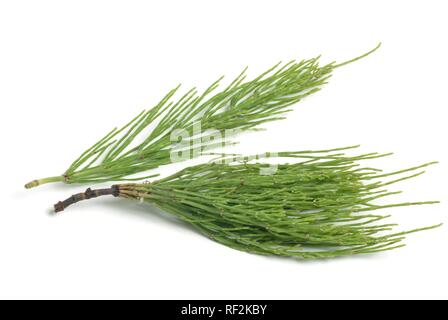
[144,143]
[320,207]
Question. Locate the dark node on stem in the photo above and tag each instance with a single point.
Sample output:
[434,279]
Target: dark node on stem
[88,194]
[32,184]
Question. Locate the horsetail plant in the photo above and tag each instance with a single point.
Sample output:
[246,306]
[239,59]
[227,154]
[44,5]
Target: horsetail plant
[322,206]
[240,106]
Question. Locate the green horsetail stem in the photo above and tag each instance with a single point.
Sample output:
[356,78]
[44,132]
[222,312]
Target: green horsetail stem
[243,105]
[323,206]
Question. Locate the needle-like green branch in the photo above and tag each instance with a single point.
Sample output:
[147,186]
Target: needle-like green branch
[320,207]
[243,105]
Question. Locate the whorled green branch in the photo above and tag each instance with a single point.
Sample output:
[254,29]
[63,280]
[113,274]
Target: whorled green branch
[242,105]
[323,206]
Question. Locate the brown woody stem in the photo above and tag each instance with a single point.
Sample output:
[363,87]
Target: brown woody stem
[88,194]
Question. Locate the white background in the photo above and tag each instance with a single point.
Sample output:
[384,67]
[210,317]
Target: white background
[71,70]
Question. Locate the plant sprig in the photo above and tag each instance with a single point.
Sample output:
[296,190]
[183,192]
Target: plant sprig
[242,105]
[322,206]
